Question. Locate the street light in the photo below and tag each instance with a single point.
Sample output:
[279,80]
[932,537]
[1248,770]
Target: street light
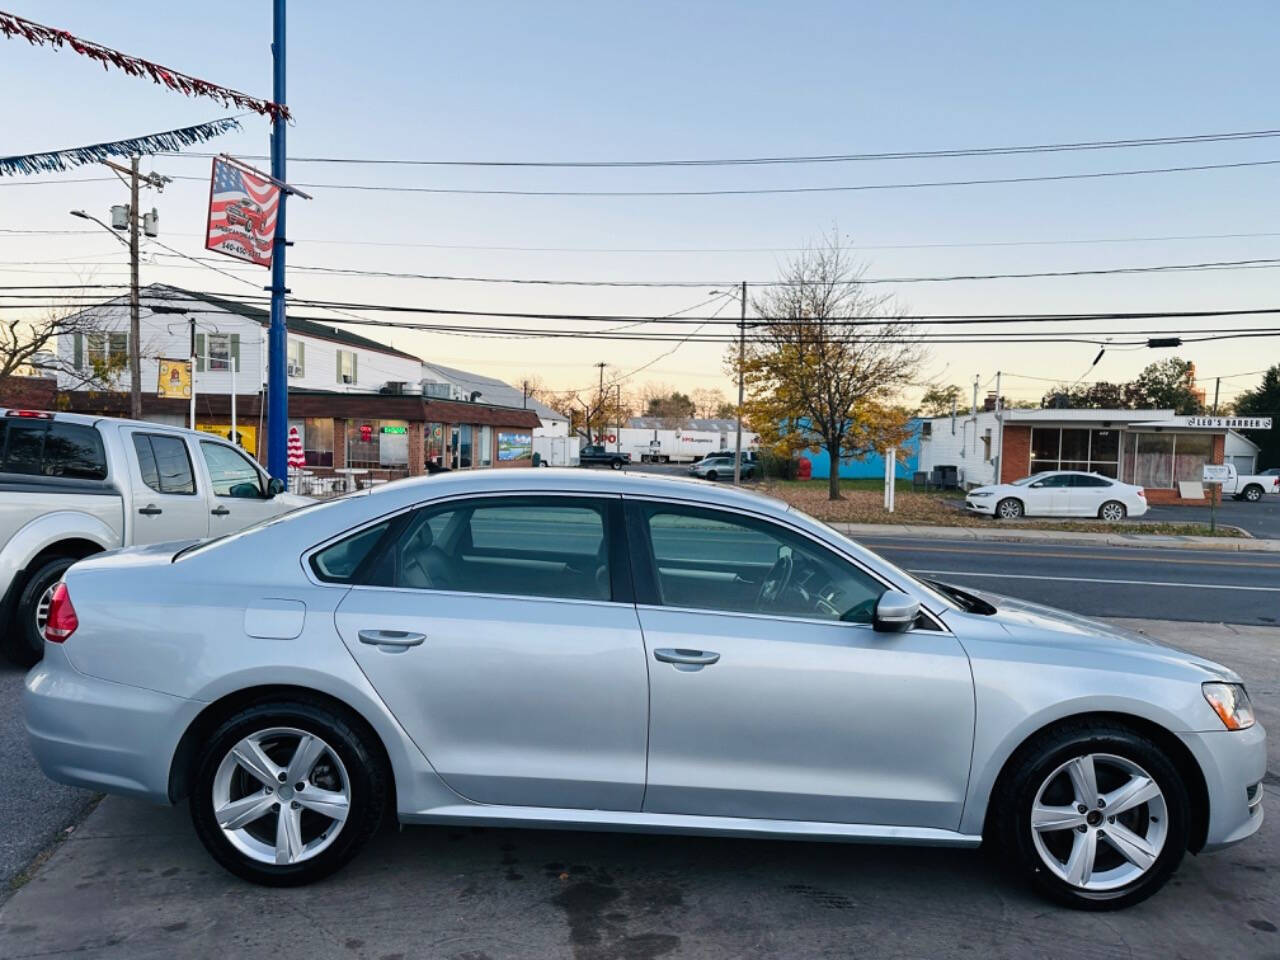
[84,216]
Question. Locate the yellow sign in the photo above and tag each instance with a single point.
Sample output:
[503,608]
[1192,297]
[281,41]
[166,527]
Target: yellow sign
[174,379]
[248,434]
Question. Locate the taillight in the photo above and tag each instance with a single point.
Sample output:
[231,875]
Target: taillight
[1142,493]
[62,616]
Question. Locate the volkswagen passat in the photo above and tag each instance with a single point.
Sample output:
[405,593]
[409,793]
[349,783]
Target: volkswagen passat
[625,652]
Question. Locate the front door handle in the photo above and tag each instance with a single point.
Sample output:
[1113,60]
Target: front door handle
[150,510]
[221,511]
[391,638]
[696,658]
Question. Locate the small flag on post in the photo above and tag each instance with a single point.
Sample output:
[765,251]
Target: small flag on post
[297,459]
[242,214]
[174,379]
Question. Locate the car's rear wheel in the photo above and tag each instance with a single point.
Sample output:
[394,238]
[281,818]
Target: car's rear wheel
[23,642]
[1112,511]
[1253,493]
[616,465]
[1094,815]
[287,792]
[1009,509]
[712,475]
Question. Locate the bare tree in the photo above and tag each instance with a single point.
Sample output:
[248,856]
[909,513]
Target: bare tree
[825,364]
[707,402]
[29,346]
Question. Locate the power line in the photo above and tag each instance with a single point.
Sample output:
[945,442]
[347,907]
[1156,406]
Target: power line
[1198,138]
[1268,262]
[761,191]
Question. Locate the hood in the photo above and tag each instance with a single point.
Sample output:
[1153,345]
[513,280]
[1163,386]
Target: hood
[1034,623]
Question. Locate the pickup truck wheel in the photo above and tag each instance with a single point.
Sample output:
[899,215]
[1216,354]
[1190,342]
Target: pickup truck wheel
[616,465]
[24,640]
[1253,493]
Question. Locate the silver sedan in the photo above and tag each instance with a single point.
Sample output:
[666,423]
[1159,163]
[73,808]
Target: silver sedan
[622,652]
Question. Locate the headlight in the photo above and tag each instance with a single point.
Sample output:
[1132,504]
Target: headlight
[1230,703]
[980,493]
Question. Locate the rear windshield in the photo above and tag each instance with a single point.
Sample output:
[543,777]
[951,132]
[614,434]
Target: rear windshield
[49,448]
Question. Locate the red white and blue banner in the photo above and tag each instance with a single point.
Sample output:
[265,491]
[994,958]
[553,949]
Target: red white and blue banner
[242,214]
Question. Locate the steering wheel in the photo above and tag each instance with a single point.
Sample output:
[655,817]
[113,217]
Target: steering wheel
[776,580]
[863,612]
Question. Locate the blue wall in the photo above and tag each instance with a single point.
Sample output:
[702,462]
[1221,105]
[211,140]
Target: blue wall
[872,465]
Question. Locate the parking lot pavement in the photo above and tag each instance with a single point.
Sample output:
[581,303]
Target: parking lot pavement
[1261,519]
[133,882]
[32,809]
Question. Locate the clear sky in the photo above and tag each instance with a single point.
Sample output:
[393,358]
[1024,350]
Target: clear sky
[611,80]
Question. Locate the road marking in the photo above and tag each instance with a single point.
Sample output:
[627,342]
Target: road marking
[1079,556]
[1134,583]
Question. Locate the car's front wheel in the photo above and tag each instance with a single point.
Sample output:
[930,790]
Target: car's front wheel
[1095,815]
[712,475]
[286,792]
[1009,509]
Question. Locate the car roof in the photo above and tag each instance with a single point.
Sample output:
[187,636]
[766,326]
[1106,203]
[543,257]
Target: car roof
[92,419]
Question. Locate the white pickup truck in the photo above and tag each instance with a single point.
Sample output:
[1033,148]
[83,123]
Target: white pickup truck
[1250,487]
[73,485]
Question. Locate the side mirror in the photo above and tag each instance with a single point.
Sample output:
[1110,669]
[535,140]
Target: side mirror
[895,612]
[1037,485]
[274,485]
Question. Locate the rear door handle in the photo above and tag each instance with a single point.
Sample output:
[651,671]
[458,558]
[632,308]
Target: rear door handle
[391,638]
[697,658]
[220,512]
[150,510]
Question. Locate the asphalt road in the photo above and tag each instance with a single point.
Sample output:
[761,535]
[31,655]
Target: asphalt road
[1262,519]
[1101,581]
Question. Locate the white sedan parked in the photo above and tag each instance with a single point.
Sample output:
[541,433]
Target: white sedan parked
[1065,493]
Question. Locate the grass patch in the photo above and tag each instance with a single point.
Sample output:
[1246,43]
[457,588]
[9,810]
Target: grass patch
[863,502]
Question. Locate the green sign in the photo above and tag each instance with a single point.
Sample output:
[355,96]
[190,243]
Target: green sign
[396,430]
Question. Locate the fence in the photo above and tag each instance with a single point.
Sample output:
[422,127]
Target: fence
[323,484]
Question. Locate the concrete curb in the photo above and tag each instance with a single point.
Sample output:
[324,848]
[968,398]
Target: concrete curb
[1012,535]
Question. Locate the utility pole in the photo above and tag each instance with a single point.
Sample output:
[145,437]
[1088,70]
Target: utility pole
[524,393]
[600,401]
[135,324]
[999,432]
[742,355]
[618,410]
[1217,384]
[277,343]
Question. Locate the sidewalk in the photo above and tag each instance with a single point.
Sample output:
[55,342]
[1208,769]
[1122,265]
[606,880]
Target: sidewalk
[1014,535]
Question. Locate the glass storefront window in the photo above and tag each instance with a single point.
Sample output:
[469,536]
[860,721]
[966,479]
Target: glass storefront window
[1153,460]
[393,443]
[1191,451]
[484,446]
[317,441]
[1075,448]
[434,443]
[1045,448]
[464,445]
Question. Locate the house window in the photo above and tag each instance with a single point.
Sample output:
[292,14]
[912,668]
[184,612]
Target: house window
[106,349]
[219,351]
[986,445]
[346,366]
[297,357]
[1075,448]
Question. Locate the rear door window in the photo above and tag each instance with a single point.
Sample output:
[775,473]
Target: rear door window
[54,449]
[164,463]
[24,447]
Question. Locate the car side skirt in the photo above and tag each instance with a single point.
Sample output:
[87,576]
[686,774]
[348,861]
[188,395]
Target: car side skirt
[631,821]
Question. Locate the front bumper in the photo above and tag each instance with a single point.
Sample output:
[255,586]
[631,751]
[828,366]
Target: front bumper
[101,735]
[1233,764]
[986,505]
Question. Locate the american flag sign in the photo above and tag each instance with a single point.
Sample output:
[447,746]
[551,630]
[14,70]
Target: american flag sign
[242,214]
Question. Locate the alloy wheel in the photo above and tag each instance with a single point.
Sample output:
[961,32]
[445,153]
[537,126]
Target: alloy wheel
[281,795]
[1010,509]
[1099,822]
[43,605]
[1112,512]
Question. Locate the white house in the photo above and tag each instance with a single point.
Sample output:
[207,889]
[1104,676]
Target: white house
[232,336]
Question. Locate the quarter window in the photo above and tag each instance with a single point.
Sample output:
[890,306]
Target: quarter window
[718,561]
[54,450]
[164,463]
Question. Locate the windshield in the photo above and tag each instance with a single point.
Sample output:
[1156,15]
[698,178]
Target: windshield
[1022,481]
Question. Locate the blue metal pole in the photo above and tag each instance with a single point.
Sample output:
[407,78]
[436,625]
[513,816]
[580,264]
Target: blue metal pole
[277,340]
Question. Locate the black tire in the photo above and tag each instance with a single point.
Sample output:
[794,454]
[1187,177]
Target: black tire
[616,464]
[23,642]
[1102,510]
[1253,493]
[1009,818]
[367,781]
[712,475]
[1010,508]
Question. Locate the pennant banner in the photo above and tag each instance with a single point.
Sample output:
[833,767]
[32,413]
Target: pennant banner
[39,35]
[169,140]
[242,214]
